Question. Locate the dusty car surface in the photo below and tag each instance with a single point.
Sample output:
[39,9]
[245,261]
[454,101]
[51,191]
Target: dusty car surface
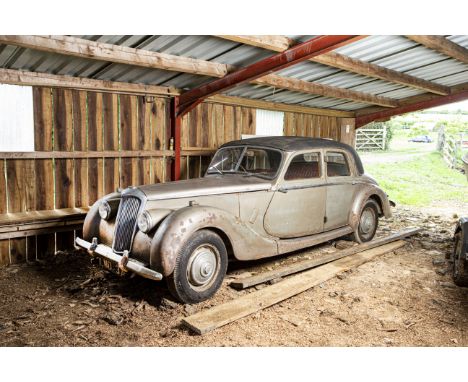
[459,256]
[260,197]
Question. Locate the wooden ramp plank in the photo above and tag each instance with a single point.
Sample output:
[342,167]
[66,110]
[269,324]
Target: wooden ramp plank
[307,264]
[210,319]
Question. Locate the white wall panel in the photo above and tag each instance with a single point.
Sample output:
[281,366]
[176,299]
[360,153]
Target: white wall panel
[16,118]
[269,122]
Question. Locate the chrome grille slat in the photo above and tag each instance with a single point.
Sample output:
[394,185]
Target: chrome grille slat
[126,223]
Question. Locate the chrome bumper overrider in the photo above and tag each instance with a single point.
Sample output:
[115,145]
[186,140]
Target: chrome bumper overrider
[124,262]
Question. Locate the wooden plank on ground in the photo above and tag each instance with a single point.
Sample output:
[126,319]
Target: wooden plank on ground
[210,319]
[307,264]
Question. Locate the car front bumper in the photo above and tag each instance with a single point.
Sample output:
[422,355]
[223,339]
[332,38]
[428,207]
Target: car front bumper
[123,261]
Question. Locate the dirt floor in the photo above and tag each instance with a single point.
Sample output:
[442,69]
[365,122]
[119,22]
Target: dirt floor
[404,298]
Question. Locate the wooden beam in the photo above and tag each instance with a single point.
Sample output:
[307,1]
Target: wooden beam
[210,319]
[275,106]
[77,47]
[411,107]
[62,214]
[276,43]
[88,49]
[24,78]
[280,43]
[84,154]
[20,77]
[413,99]
[292,56]
[371,70]
[301,86]
[442,45]
[307,264]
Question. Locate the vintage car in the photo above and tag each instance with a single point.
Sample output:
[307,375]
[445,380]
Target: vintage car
[459,256]
[260,197]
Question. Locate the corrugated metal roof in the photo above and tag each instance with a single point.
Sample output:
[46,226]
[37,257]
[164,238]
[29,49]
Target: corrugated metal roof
[393,52]
[460,40]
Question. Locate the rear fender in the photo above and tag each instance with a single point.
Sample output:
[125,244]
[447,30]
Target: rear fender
[179,226]
[462,226]
[364,193]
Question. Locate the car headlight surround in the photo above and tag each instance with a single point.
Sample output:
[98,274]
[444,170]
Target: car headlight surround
[144,222]
[108,208]
[104,210]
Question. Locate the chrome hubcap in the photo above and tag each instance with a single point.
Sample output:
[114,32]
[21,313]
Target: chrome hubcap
[367,221]
[202,266]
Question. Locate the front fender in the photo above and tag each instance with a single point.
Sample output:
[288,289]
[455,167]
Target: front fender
[92,222]
[179,226]
[364,192]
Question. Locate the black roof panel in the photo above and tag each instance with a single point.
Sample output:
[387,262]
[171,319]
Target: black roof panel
[296,144]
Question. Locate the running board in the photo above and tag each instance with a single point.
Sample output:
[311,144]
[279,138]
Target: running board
[290,245]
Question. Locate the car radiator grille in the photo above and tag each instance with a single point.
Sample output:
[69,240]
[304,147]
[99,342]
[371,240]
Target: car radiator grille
[126,223]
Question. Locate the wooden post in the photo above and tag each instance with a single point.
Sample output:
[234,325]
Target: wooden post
[348,132]
[176,121]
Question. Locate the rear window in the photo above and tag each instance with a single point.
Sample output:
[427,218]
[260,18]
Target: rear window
[304,166]
[337,165]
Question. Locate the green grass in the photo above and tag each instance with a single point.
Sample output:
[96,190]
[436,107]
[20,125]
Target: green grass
[420,181]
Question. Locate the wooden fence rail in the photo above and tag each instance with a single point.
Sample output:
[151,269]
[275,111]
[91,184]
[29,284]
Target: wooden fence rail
[450,146]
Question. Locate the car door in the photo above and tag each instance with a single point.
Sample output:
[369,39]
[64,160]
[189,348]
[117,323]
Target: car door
[298,206]
[340,188]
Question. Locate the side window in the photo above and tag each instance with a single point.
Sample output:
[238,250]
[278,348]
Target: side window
[337,164]
[304,166]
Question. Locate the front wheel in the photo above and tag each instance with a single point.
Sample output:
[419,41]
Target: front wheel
[200,268]
[368,222]
[460,265]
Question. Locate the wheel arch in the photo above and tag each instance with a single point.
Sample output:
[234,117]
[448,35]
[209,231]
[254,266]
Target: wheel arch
[241,241]
[377,199]
[224,237]
[363,194]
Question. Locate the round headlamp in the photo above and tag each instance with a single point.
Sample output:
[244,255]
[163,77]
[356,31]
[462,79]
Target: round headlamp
[144,222]
[105,210]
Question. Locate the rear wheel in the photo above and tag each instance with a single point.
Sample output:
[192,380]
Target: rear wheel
[460,265]
[368,222]
[200,268]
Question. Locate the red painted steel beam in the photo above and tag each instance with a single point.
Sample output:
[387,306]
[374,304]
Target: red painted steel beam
[421,105]
[176,121]
[291,56]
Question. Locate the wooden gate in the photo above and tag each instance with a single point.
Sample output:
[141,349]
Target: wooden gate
[371,139]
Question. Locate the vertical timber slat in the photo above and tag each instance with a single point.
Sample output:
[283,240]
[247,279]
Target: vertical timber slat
[64,168]
[43,141]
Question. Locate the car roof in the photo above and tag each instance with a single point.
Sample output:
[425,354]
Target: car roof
[297,143]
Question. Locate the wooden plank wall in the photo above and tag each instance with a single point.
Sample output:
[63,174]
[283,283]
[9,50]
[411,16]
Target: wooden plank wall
[307,125]
[72,120]
[206,128]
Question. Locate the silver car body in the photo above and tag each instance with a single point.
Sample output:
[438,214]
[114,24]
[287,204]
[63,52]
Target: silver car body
[255,217]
